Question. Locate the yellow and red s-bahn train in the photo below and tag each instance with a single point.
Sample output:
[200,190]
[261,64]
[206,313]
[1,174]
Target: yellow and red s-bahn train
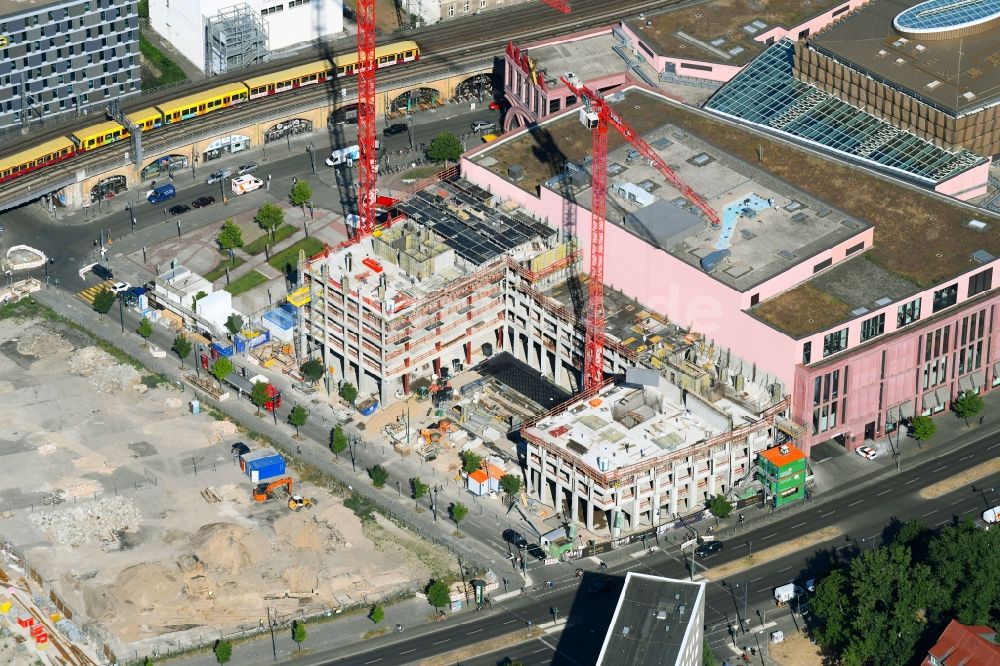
[207,101]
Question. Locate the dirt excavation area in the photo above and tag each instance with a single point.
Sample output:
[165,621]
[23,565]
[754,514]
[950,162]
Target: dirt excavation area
[135,514]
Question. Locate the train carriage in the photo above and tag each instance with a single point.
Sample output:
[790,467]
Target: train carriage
[323,70]
[204,102]
[148,118]
[99,135]
[47,153]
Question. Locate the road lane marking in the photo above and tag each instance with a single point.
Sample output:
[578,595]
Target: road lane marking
[373,661]
[988,448]
[765,589]
[544,649]
[510,621]
[916,478]
[757,579]
[824,515]
[439,642]
[929,513]
[966,457]
[887,490]
[794,526]
[783,570]
[474,631]
[408,651]
[958,501]
[769,536]
[938,469]
[855,503]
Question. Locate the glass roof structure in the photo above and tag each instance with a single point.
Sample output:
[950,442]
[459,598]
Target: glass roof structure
[948,17]
[766,94]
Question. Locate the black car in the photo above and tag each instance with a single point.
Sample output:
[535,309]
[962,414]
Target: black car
[102,271]
[179,209]
[392,130]
[599,586]
[201,202]
[515,537]
[708,549]
[536,551]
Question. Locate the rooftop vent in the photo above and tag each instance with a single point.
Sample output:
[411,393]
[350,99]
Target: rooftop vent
[969,96]
[977,225]
[515,172]
[625,631]
[783,449]
[882,53]
[933,84]
[882,302]
[859,311]
[899,62]
[661,614]
[920,48]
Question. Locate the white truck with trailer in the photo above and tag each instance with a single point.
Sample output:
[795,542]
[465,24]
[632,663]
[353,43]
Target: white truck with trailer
[992,516]
[785,593]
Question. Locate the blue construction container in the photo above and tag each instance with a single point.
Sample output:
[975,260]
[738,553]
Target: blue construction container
[263,469]
[223,349]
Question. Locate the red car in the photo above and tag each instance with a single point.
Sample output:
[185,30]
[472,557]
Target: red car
[494,106]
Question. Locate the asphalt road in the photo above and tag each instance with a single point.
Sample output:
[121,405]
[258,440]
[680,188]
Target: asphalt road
[867,515]
[71,239]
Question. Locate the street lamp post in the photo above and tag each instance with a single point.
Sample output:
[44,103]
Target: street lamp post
[312,157]
[398,491]
[121,312]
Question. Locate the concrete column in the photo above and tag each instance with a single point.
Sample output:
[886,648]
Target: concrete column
[437,366]
[654,507]
[673,490]
[636,515]
[499,338]
[383,389]
[468,353]
[406,383]
[542,458]
[590,504]
[574,499]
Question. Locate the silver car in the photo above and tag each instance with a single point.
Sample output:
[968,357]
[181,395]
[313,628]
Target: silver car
[246,168]
[483,126]
[219,175]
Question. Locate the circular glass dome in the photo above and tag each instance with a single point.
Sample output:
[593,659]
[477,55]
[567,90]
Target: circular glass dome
[948,19]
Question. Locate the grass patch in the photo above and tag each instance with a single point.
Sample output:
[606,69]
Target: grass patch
[246,283]
[422,172]
[290,255]
[803,309]
[362,508]
[257,246]
[372,633]
[168,70]
[220,268]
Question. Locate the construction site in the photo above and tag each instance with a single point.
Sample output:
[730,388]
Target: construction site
[135,525]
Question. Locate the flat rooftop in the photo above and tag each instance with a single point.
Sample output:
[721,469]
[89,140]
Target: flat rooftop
[722,31]
[955,75]
[623,426]
[653,618]
[766,228]
[590,59]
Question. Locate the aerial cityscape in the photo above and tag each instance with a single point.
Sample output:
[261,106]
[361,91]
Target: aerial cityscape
[500,332]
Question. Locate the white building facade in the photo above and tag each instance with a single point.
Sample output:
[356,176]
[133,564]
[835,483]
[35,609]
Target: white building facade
[184,23]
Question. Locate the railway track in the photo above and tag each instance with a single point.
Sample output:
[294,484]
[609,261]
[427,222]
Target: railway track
[445,48]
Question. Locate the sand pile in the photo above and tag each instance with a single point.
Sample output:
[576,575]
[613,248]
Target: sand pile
[300,531]
[105,373]
[301,579]
[79,524]
[220,430]
[38,341]
[228,547]
[143,587]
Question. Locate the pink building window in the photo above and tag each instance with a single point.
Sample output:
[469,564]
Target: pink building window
[827,402]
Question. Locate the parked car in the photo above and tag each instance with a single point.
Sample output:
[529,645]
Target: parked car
[120,287]
[483,126]
[244,169]
[516,538]
[102,271]
[392,130]
[179,209]
[867,452]
[201,202]
[599,586]
[708,549]
[536,551]
[219,175]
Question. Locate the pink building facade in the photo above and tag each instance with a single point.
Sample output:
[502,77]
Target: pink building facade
[907,357]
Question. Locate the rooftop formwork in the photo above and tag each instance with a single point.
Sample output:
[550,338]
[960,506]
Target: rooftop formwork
[235,37]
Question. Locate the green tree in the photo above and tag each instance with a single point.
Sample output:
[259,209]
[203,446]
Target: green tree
[510,484]
[707,656]
[299,634]
[338,441]
[298,417]
[438,594]
[312,370]
[470,461]
[182,347]
[968,405]
[269,217]
[419,488]
[221,369]
[301,193]
[348,392]
[445,147]
[223,651]
[103,301]
[259,395]
[234,323]
[197,297]
[379,475]
[230,238]
[922,428]
[832,606]
[965,559]
[458,512]
[376,614]
[512,661]
[720,506]
[145,329]
[148,661]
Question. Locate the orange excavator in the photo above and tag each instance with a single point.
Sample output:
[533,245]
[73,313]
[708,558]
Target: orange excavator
[265,491]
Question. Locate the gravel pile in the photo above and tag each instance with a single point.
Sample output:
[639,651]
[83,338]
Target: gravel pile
[38,341]
[105,373]
[102,519]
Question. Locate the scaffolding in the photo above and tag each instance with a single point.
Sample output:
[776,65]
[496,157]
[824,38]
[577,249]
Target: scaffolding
[235,37]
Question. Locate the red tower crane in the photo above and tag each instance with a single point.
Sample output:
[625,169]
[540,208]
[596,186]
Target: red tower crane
[367,65]
[599,116]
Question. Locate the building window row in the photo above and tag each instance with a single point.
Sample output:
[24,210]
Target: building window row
[834,342]
[908,313]
[980,282]
[945,298]
[873,327]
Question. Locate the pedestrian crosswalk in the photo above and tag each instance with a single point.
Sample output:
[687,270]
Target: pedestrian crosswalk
[90,293]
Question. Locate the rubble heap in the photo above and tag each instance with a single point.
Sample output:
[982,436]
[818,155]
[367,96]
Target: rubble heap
[40,342]
[105,373]
[102,519]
